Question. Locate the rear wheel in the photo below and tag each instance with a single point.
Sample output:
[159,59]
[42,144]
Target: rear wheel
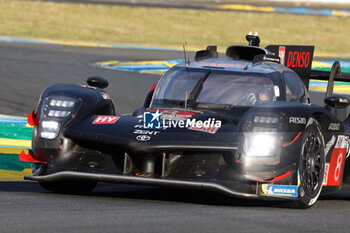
[311,165]
[69,187]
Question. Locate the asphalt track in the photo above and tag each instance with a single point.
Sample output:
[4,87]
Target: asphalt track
[25,207]
[26,69]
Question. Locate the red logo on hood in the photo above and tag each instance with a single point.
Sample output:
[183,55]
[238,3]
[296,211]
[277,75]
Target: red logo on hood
[105,120]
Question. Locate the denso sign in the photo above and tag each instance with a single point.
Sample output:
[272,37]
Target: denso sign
[298,59]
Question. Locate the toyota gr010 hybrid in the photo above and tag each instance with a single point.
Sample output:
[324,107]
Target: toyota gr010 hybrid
[242,125]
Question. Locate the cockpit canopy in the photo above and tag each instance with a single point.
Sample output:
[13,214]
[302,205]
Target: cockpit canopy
[179,86]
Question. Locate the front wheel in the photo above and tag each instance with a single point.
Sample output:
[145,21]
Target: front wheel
[69,187]
[311,165]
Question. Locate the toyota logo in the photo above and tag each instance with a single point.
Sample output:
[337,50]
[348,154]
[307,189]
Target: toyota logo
[143,138]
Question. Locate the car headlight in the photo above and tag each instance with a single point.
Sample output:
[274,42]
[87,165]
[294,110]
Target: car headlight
[54,110]
[49,129]
[260,144]
[261,134]
[58,113]
[266,119]
[57,107]
[50,125]
[62,103]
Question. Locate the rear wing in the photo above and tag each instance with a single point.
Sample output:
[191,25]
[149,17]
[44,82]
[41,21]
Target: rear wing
[299,59]
[296,57]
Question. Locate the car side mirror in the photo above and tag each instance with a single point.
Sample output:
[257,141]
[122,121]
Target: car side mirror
[337,101]
[98,82]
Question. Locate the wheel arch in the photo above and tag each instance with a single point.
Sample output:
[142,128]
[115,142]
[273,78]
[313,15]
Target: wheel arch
[322,119]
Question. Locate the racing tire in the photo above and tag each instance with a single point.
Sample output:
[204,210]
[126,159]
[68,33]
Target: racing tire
[69,187]
[311,165]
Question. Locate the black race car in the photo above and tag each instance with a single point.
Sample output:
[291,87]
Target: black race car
[241,125]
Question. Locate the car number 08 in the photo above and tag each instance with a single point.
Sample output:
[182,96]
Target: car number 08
[338,167]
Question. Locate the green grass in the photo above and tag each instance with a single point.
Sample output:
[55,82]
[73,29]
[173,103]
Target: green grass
[171,27]
[9,131]
[12,163]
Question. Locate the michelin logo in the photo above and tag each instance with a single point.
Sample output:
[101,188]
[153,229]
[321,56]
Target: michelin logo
[280,190]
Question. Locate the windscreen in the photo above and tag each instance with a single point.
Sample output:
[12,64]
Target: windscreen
[219,87]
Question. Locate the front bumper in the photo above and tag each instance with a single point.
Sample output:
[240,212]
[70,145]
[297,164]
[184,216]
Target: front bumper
[235,190]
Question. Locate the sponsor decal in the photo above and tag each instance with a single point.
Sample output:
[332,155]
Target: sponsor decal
[341,143]
[266,58]
[144,174]
[280,190]
[192,123]
[335,169]
[143,138]
[151,120]
[334,126]
[106,119]
[179,119]
[105,96]
[326,172]
[330,144]
[208,126]
[202,63]
[297,120]
[337,162]
[298,59]
[146,132]
[204,129]
[174,114]
[282,53]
